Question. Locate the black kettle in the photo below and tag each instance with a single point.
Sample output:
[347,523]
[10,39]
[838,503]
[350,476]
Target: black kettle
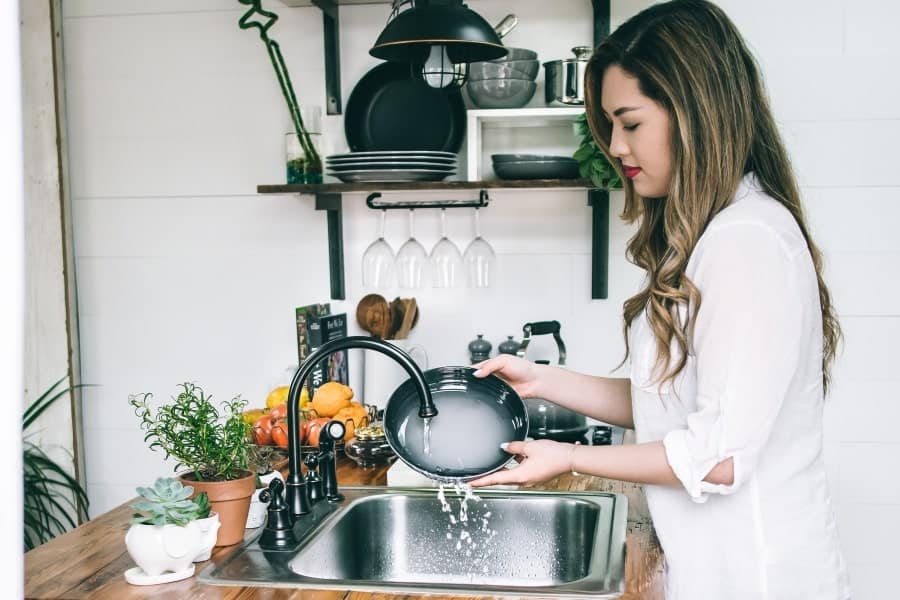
[547,420]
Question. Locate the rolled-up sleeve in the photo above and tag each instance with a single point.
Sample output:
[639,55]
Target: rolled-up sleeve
[746,346]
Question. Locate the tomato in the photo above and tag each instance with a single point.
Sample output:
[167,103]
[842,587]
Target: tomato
[280,433]
[279,412]
[315,428]
[304,431]
[262,430]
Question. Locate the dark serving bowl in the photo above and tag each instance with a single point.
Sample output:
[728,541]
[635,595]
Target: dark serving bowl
[462,442]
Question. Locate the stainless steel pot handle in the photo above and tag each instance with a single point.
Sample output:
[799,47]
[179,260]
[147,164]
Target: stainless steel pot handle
[543,328]
[508,23]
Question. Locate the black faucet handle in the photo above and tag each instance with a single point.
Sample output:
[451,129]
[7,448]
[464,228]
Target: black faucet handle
[279,532]
[311,460]
[273,495]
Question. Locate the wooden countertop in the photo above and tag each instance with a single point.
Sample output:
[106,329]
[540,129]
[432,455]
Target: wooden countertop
[89,562]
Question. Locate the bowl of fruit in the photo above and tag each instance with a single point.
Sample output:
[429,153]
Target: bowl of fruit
[331,401]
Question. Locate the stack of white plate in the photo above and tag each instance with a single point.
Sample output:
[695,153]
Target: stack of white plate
[392,165]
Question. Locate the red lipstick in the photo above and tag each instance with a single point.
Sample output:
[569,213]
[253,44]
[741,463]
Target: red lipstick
[631,172]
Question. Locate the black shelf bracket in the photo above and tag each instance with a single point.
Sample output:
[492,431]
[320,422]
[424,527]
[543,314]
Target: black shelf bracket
[331,26]
[332,204]
[483,200]
[601,20]
[598,200]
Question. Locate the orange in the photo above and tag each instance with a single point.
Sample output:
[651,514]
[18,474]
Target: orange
[277,396]
[330,398]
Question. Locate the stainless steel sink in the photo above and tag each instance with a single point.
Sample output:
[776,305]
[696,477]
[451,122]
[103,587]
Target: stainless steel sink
[391,539]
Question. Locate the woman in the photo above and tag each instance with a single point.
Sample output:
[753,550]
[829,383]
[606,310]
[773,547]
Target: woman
[731,336]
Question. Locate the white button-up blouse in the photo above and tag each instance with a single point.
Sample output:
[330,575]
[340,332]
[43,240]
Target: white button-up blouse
[752,391]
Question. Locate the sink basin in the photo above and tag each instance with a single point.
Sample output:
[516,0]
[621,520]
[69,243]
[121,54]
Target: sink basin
[409,540]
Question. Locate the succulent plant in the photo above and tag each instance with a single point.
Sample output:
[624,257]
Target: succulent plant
[169,502]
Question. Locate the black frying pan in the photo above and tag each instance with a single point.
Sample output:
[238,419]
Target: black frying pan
[389,109]
[475,415]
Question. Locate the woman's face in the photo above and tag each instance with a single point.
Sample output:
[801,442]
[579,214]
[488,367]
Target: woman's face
[641,135]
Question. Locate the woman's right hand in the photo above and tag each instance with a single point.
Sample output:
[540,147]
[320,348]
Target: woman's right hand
[521,374]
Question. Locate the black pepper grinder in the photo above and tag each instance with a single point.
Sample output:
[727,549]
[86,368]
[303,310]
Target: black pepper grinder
[479,349]
[510,346]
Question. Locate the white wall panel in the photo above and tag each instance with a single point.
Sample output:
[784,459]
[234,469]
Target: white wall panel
[865,479]
[872,532]
[862,411]
[858,153]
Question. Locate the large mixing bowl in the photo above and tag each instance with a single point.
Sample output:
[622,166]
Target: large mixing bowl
[475,415]
[517,54]
[501,93]
[504,69]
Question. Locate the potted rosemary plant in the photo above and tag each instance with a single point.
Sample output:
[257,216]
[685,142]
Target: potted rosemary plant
[165,537]
[211,446]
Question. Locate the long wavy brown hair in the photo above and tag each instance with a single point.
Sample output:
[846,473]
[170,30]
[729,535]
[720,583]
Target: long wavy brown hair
[689,57]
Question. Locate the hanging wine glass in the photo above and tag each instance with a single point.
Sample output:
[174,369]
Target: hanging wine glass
[412,259]
[479,258]
[378,261]
[446,259]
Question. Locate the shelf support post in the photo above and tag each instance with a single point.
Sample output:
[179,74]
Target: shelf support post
[331,202]
[598,200]
[601,20]
[331,26]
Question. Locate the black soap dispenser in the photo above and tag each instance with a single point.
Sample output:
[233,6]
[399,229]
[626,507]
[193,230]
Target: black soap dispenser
[479,349]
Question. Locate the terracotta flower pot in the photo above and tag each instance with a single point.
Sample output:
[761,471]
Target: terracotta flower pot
[231,499]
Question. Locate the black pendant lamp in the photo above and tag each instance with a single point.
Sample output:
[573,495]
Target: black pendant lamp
[439,38]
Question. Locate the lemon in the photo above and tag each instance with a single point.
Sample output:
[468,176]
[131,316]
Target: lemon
[304,398]
[277,396]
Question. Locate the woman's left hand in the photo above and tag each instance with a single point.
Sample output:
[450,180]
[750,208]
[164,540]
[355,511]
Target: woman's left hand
[541,460]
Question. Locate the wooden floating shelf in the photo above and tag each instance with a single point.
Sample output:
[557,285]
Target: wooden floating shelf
[369,186]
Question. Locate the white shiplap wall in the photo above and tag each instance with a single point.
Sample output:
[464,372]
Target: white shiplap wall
[185,273]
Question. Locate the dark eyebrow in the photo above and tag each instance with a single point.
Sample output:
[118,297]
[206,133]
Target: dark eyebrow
[625,109]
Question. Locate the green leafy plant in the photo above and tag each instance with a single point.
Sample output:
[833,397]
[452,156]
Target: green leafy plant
[592,163]
[212,444]
[53,499]
[169,502]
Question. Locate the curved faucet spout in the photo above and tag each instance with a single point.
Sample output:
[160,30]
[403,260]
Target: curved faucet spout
[296,494]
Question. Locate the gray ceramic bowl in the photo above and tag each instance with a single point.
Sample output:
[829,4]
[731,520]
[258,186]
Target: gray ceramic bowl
[500,93]
[537,169]
[517,54]
[515,69]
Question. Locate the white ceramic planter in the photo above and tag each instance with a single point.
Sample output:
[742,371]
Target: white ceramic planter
[158,549]
[258,509]
[209,528]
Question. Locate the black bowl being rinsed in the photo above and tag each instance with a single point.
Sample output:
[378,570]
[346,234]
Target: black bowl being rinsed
[475,415]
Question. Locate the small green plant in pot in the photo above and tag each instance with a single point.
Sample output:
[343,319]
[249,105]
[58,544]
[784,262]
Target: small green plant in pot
[166,535]
[211,445]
